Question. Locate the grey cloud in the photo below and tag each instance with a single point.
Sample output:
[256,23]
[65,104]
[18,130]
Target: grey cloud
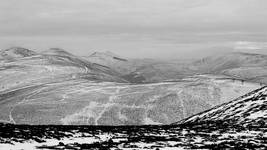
[160,22]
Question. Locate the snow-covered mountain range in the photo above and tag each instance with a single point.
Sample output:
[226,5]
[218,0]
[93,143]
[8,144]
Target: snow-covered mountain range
[95,90]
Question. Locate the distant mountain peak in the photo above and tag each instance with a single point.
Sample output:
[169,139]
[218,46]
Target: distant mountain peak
[57,51]
[16,52]
[15,48]
[247,54]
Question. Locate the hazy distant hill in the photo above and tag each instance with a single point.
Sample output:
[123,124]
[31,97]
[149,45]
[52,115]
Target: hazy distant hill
[57,51]
[14,53]
[142,70]
[111,60]
[247,66]
[217,63]
[238,65]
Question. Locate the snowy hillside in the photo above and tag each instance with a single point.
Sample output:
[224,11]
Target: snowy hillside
[53,66]
[240,124]
[83,101]
[247,110]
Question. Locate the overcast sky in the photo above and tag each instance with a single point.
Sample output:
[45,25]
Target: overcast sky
[136,28]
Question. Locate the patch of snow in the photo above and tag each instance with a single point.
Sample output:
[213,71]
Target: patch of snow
[149,121]
[258,115]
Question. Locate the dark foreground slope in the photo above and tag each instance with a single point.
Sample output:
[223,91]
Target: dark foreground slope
[249,110]
[208,130]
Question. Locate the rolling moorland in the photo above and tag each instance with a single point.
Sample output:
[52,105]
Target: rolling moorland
[56,87]
[56,100]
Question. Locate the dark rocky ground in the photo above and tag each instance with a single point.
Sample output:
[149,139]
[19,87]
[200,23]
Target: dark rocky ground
[209,135]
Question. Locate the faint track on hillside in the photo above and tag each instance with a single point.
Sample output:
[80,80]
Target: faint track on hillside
[182,103]
[11,119]
[110,102]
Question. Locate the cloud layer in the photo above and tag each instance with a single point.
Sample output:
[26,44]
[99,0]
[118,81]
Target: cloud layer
[157,20]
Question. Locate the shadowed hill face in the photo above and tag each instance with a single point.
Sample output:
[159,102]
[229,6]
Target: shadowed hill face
[162,71]
[141,70]
[112,61]
[247,110]
[107,55]
[57,51]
